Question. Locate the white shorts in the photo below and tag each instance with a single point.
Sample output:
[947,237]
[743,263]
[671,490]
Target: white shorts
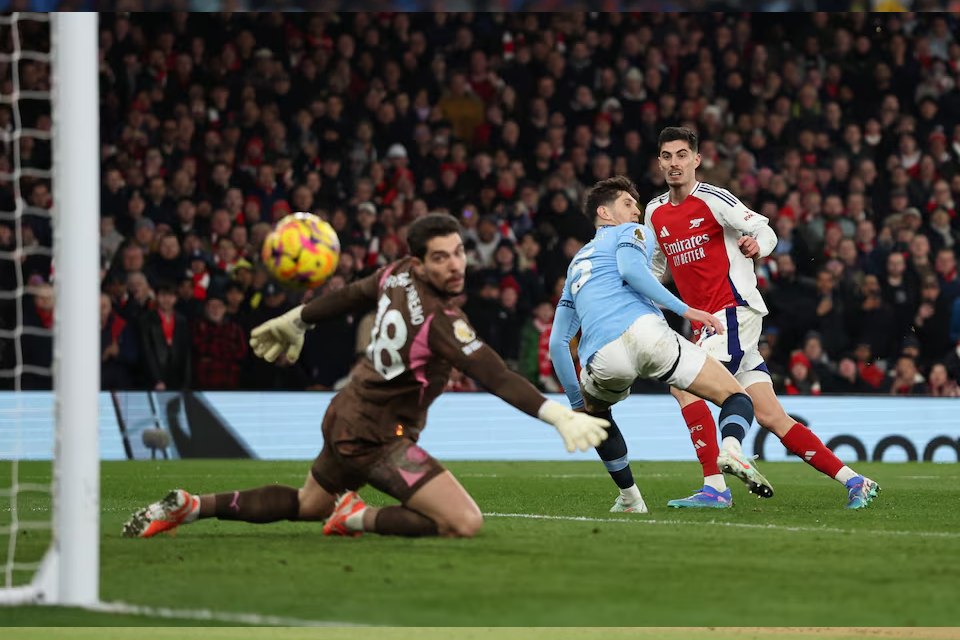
[649,348]
[738,348]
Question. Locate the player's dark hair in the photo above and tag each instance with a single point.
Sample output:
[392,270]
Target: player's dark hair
[430,226]
[605,193]
[678,133]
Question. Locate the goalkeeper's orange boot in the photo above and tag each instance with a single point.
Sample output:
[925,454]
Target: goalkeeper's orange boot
[176,508]
[349,504]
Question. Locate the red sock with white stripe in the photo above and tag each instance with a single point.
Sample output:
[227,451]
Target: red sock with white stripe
[802,442]
[703,434]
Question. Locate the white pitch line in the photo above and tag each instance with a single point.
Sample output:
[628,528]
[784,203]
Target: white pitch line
[558,476]
[252,619]
[562,476]
[738,525]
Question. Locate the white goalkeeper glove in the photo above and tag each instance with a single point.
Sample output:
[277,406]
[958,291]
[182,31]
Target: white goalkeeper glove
[578,430]
[283,334]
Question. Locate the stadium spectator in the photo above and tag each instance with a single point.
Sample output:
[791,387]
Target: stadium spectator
[167,264]
[507,324]
[801,380]
[939,383]
[257,373]
[233,297]
[138,296]
[932,321]
[110,239]
[906,379]
[165,344]
[328,352]
[535,364]
[830,316]
[847,380]
[187,304]
[120,351]
[819,361]
[36,344]
[219,347]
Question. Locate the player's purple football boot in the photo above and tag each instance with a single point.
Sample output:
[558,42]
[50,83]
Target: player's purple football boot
[861,491]
[705,498]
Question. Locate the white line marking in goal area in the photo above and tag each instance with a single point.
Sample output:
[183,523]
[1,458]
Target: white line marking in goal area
[252,619]
[738,525]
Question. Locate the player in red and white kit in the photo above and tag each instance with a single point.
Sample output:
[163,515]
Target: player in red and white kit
[707,238]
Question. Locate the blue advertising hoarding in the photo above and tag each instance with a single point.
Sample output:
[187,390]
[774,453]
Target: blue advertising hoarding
[467,426]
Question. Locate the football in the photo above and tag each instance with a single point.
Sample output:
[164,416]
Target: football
[302,251]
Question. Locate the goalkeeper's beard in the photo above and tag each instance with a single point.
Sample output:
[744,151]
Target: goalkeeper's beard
[443,291]
[455,282]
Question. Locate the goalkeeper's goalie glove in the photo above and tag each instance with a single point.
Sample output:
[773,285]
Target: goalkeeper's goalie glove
[578,430]
[283,334]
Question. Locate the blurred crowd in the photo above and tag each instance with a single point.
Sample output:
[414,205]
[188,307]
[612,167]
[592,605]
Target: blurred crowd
[842,129]
[479,5]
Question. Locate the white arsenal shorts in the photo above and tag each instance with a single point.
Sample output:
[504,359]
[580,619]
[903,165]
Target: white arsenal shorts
[738,348]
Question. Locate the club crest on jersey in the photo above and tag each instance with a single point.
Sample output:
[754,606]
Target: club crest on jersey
[664,233]
[696,222]
[463,332]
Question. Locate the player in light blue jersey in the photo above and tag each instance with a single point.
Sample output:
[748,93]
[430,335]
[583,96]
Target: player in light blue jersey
[611,297]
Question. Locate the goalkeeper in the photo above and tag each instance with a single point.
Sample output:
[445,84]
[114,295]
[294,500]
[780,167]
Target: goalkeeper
[371,427]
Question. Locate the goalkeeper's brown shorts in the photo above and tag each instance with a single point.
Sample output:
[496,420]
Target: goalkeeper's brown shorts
[398,467]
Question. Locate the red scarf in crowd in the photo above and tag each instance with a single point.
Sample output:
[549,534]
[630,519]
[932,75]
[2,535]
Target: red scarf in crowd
[200,283]
[932,204]
[116,326]
[544,364]
[168,325]
[46,317]
[871,374]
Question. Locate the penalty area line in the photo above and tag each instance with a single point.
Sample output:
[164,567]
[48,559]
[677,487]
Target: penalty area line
[252,619]
[737,525]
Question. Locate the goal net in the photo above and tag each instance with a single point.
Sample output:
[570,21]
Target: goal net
[49,329]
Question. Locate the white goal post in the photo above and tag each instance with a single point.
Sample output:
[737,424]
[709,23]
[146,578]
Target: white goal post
[70,571]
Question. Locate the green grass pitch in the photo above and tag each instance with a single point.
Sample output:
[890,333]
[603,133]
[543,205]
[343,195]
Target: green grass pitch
[482,633]
[798,559]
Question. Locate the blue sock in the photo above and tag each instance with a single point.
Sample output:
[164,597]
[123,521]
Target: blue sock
[613,452]
[736,416]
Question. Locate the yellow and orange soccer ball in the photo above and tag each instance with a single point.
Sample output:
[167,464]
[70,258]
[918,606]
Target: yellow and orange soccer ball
[302,251]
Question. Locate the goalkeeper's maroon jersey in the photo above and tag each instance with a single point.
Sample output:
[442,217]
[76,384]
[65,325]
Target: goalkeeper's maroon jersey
[418,336]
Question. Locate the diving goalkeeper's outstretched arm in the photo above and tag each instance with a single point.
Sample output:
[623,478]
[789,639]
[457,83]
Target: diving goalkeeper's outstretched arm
[285,333]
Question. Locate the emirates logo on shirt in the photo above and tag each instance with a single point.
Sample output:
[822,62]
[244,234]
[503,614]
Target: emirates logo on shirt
[687,250]
[672,248]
